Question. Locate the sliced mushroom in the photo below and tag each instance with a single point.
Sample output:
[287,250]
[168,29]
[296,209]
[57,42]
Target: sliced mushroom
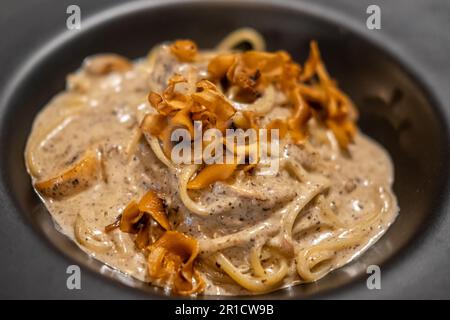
[76,179]
[102,64]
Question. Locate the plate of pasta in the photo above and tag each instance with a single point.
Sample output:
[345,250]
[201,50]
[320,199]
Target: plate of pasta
[137,162]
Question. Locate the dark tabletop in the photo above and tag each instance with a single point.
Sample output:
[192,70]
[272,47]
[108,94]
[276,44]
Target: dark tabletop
[420,29]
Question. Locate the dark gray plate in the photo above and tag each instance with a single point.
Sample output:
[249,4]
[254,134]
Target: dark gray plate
[398,109]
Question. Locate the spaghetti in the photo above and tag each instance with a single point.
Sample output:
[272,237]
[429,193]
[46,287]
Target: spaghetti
[205,228]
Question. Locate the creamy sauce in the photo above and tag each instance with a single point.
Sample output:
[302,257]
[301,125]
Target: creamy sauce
[103,113]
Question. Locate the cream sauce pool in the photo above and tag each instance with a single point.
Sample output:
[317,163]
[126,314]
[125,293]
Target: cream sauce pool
[103,112]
